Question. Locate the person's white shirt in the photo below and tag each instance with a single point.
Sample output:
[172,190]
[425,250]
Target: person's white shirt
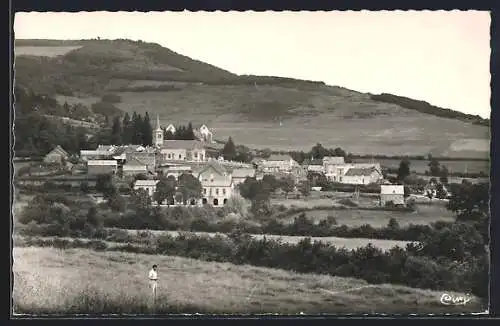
[153,275]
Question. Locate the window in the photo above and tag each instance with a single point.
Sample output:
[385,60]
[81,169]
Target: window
[204,191]
[180,156]
[224,191]
[216,191]
[195,155]
[169,155]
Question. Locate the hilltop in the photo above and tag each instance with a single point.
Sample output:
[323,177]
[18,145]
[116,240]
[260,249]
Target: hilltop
[258,111]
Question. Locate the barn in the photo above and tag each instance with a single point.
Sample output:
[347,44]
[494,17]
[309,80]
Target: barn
[392,193]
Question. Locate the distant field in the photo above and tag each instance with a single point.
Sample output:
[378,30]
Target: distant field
[50,280]
[420,166]
[251,116]
[44,51]
[424,214]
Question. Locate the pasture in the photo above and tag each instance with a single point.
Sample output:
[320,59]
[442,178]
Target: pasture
[420,166]
[44,51]
[352,217]
[51,281]
[252,115]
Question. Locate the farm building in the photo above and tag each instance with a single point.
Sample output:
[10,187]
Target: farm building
[333,160]
[361,176]
[101,166]
[239,175]
[279,163]
[133,167]
[57,155]
[216,183]
[182,150]
[392,193]
[148,185]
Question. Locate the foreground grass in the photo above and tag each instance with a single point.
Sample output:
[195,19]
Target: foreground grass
[53,281]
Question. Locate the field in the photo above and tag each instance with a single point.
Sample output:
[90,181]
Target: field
[48,280]
[420,166]
[321,116]
[44,51]
[424,214]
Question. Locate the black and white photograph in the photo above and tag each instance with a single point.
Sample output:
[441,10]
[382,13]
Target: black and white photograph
[249,163]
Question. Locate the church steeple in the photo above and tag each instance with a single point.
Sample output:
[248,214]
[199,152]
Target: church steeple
[158,133]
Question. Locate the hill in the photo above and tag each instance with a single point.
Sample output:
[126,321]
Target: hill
[258,111]
[46,281]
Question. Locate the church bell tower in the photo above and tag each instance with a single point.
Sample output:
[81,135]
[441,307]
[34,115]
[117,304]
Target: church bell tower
[158,133]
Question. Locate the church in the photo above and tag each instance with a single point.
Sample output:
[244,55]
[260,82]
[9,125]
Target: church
[182,150]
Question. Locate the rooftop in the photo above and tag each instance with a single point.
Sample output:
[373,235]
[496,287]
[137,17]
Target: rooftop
[102,162]
[182,144]
[146,183]
[276,157]
[243,173]
[360,171]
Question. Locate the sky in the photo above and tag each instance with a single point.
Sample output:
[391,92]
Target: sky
[441,57]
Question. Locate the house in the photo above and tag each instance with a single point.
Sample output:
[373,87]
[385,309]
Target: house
[279,163]
[101,166]
[170,129]
[147,157]
[57,155]
[239,175]
[334,167]
[202,133]
[333,160]
[361,176]
[102,152]
[134,166]
[182,150]
[392,193]
[148,185]
[216,183]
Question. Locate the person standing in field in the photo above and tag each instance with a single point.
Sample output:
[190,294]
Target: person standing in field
[153,280]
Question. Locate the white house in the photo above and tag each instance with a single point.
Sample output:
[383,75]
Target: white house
[203,133]
[392,193]
[57,155]
[216,183]
[361,176]
[148,185]
[279,163]
[170,128]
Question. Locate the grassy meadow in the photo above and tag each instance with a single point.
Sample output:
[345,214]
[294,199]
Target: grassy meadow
[44,51]
[423,214]
[54,281]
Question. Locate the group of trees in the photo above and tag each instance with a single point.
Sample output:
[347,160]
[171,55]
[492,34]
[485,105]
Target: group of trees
[318,152]
[186,188]
[424,107]
[259,191]
[239,153]
[437,170]
[135,130]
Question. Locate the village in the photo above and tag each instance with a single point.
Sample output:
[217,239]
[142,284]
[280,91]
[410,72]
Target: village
[219,178]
